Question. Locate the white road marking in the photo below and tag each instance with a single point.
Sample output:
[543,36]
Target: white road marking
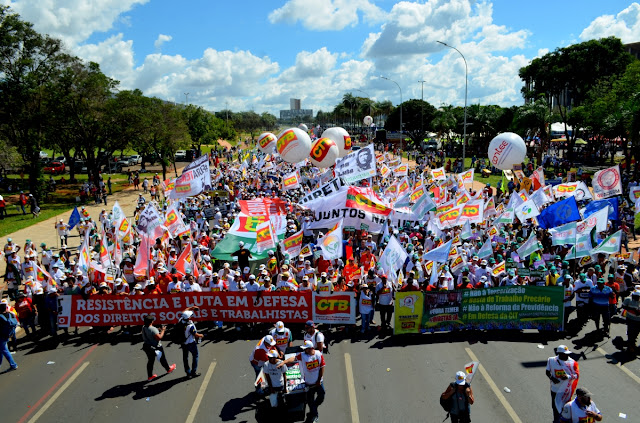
[201,391]
[59,392]
[355,418]
[495,389]
[621,367]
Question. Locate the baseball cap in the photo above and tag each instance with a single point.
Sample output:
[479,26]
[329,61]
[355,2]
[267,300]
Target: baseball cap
[279,327]
[562,349]
[583,392]
[269,340]
[461,378]
[310,323]
[272,354]
[307,344]
[186,315]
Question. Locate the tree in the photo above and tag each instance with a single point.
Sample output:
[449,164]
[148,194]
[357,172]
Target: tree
[534,119]
[269,121]
[10,158]
[28,63]
[200,124]
[412,119]
[565,76]
[249,122]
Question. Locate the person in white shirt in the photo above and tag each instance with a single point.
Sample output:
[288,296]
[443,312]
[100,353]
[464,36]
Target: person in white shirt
[581,409]
[385,290]
[365,305]
[251,285]
[276,377]
[283,337]
[312,368]
[190,345]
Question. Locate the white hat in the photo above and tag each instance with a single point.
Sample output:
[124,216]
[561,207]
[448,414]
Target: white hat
[562,349]
[118,281]
[307,344]
[461,378]
[137,286]
[279,326]
[186,315]
[272,354]
[269,340]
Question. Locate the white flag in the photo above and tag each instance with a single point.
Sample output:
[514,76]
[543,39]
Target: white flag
[486,250]
[611,245]
[565,234]
[393,257]
[607,183]
[527,210]
[440,253]
[530,246]
[331,243]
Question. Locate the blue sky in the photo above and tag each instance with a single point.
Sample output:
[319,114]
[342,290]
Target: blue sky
[255,55]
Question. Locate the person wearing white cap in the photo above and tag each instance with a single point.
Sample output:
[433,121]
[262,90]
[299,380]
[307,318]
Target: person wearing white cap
[63,231]
[312,368]
[563,372]
[259,355]
[283,337]
[276,377]
[189,340]
[460,397]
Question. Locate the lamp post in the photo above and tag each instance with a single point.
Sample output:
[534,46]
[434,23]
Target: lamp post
[422,110]
[401,133]
[466,76]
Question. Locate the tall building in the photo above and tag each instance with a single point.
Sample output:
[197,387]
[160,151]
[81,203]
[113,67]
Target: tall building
[295,114]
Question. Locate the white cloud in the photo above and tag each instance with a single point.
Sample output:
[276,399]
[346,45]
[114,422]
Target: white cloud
[326,15]
[73,21]
[625,25]
[162,38]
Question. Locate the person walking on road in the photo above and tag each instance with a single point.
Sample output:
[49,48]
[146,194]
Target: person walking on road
[461,396]
[152,346]
[563,372]
[581,409]
[599,296]
[312,368]
[190,344]
[631,306]
[8,324]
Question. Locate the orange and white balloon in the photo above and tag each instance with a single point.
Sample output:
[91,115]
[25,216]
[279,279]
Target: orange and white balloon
[293,145]
[342,139]
[266,142]
[324,153]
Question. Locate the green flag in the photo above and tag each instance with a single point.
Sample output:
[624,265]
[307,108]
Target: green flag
[611,245]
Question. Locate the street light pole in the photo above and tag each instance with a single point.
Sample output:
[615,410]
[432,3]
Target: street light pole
[466,78]
[186,95]
[401,133]
[422,110]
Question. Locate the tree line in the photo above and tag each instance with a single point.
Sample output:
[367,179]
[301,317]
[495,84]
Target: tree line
[50,99]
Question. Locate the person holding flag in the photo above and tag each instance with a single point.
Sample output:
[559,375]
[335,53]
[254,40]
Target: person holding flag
[563,373]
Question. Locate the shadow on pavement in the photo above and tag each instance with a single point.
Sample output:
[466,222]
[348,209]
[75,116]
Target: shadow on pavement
[141,389]
[236,406]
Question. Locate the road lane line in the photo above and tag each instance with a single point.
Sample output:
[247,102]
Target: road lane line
[355,418]
[200,395]
[494,388]
[59,392]
[64,376]
[621,367]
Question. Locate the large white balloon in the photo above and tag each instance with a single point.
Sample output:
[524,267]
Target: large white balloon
[368,120]
[341,138]
[303,127]
[266,142]
[294,145]
[324,153]
[507,149]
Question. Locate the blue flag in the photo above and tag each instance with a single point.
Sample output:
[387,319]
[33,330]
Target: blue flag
[557,214]
[594,206]
[74,219]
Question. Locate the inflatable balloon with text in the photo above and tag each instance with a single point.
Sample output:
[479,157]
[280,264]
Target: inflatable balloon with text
[507,149]
[324,153]
[342,139]
[293,145]
[266,142]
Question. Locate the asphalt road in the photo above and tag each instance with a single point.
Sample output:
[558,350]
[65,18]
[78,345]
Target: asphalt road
[102,378]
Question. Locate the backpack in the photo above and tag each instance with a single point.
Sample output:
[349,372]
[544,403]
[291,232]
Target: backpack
[177,333]
[8,324]
[447,404]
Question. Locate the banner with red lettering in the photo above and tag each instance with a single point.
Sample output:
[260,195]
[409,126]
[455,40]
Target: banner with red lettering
[263,207]
[115,310]
[336,308]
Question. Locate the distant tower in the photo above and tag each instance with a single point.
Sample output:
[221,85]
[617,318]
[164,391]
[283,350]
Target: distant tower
[294,104]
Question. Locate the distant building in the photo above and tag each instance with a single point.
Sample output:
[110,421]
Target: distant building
[633,49]
[295,114]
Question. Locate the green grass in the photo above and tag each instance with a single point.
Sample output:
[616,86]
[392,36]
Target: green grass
[17,220]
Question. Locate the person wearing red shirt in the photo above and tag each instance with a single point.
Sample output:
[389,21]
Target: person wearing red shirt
[26,313]
[365,259]
[613,301]
[163,279]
